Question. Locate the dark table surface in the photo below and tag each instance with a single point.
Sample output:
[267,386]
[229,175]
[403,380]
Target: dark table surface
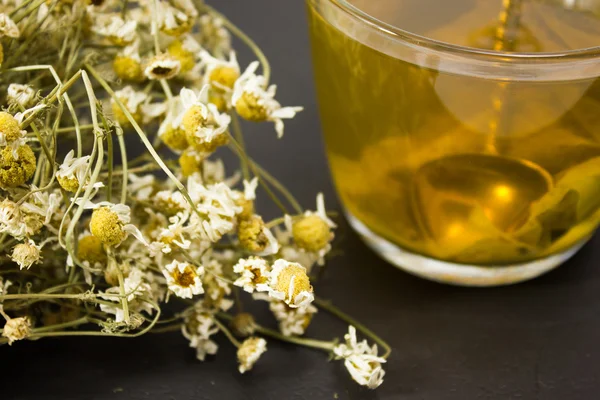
[536,340]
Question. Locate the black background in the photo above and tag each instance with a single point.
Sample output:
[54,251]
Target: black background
[537,340]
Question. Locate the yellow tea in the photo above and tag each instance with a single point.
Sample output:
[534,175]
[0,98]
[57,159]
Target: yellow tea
[454,165]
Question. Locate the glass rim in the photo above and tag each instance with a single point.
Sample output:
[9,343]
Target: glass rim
[396,33]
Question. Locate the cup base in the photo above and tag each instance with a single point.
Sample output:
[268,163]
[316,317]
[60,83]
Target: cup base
[458,274]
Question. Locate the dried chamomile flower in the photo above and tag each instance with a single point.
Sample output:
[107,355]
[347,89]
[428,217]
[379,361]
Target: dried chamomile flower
[176,19]
[17,329]
[254,274]
[254,236]
[16,170]
[221,74]
[175,234]
[128,64]
[249,352]
[185,50]
[10,129]
[107,226]
[184,279]
[113,271]
[91,251]
[162,66]
[8,27]
[16,222]
[246,199]
[137,288]
[360,360]
[190,161]
[115,29]
[198,328]
[243,324]
[26,254]
[213,35]
[216,204]
[217,290]
[142,186]
[290,283]
[174,138]
[247,208]
[171,131]
[170,202]
[205,127]
[72,172]
[312,231]
[253,103]
[292,321]
[132,100]
[110,223]
[20,94]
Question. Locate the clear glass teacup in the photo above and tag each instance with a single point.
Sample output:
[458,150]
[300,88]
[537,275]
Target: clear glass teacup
[464,143]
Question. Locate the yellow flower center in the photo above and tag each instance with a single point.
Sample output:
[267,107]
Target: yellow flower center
[175,138]
[120,116]
[250,108]
[224,76]
[190,162]
[250,234]
[311,233]
[15,172]
[69,184]
[247,208]
[186,278]
[301,281]
[90,249]
[185,57]
[181,28]
[9,126]
[128,69]
[107,227]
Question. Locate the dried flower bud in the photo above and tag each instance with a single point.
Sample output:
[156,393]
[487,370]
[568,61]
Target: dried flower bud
[106,226]
[90,249]
[15,171]
[311,233]
[17,329]
[249,352]
[9,128]
[26,254]
[243,324]
[290,283]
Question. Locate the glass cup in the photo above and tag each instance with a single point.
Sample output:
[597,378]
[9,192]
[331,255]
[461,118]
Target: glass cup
[458,164]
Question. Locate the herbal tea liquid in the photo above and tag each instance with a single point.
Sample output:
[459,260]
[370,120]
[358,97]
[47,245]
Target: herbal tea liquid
[453,166]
